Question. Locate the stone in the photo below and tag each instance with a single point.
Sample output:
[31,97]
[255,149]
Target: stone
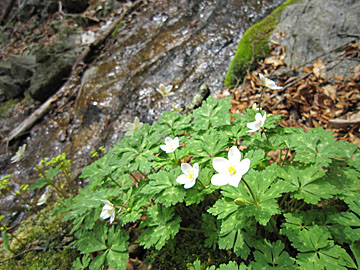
[9,87]
[50,75]
[315,28]
[22,68]
[5,67]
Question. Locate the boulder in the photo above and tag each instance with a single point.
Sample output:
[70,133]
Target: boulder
[22,68]
[15,74]
[10,88]
[51,74]
[313,28]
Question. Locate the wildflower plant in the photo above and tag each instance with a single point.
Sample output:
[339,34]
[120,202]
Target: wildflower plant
[278,199]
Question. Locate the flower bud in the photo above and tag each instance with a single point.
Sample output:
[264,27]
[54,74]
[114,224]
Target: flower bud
[239,201]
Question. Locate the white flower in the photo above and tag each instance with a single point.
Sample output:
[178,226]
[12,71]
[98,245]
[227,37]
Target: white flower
[258,123]
[255,107]
[165,90]
[45,196]
[132,127]
[19,154]
[108,211]
[170,145]
[268,83]
[231,170]
[188,179]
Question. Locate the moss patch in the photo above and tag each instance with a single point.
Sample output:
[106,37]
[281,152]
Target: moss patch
[253,45]
[42,230]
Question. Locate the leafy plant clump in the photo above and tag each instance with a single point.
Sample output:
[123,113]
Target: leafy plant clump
[272,198]
[253,45]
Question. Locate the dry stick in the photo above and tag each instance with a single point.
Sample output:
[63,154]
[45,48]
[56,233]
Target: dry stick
[29,122]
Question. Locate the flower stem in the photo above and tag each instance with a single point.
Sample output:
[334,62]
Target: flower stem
[286,155]
[201,183]
[252,194]
[260,99]
[175,158]
[112,179]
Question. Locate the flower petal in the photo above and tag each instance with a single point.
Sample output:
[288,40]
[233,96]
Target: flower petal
[164,148]
[234,154]
[258,117]
[243,167]
[220,164]
[219,180]
[186,168]
[189,184]
[234,180]
[106,202]
[196,170]
[168,140]
[182,179]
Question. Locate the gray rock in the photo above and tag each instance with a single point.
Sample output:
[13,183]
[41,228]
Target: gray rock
[9,86]
[314,28]
[22,68]
[49,77]
[5,67]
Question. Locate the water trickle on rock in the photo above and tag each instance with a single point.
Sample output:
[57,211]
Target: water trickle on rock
[181,43]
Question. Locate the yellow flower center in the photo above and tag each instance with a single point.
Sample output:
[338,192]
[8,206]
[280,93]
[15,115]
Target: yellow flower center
[191,175]
[232,170]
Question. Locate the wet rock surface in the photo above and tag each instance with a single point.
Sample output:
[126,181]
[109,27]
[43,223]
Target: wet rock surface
[185,44]
[315,28]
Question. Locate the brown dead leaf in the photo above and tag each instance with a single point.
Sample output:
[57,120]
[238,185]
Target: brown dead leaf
[319,69]
[354,139]
[330,91]
[274,60]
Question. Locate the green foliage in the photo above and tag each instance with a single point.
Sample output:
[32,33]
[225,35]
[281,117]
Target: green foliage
[300,211]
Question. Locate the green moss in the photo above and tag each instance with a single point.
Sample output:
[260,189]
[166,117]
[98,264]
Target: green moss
[50,260]
[182,251]
[7,107]
[253,45]
[40,230]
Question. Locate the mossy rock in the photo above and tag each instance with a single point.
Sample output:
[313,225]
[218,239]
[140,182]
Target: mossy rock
[253,45]
[44,230]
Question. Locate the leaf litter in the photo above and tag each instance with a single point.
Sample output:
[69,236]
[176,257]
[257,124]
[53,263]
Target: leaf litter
[309,98]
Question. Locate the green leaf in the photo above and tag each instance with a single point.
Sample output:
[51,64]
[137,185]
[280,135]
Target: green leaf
[345,227]
[213,113]
[164,187]
[205,146]
[211,226]
[272,256]
[99,262]
[265,188]
[173,123]
[317,252]
[160,226]
[197,193]
[83,263]
[229,266]
[117,251]
[238,233]
[316,146]
[355,248]
[94,240]
[5,240]
[41,182]
[308,183]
